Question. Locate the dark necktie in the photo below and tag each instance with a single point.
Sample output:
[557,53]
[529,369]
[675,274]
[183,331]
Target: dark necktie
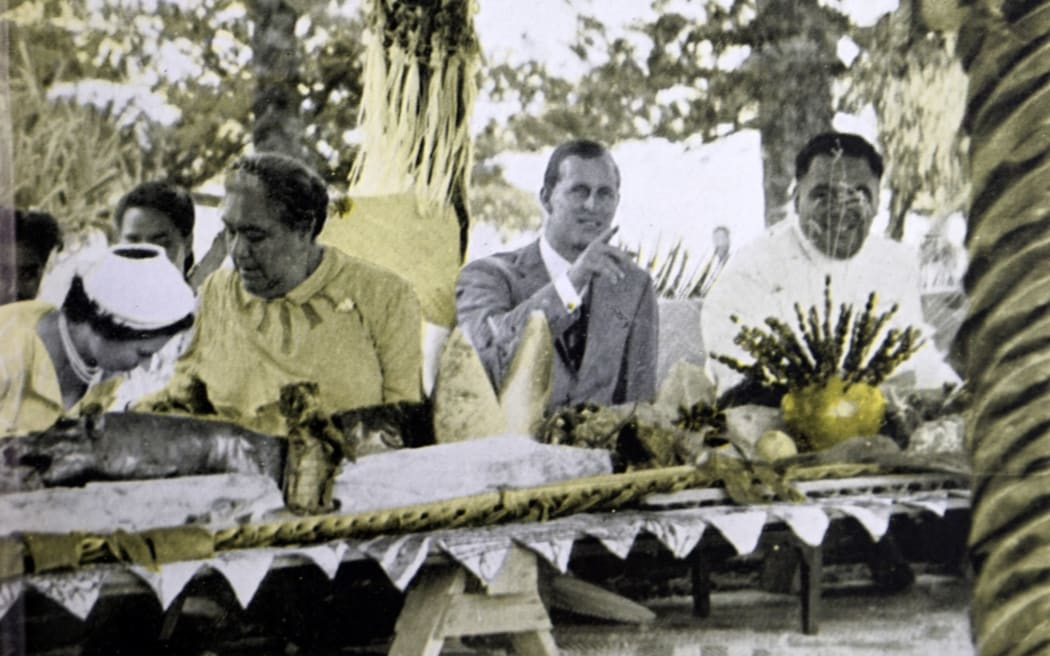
[575,338]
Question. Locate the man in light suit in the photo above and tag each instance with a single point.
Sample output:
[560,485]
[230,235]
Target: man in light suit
[600,306]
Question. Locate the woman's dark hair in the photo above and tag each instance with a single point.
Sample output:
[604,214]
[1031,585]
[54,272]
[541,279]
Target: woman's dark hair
[38,231]
[294,186]
[80,308]
[833,143]
[170,200]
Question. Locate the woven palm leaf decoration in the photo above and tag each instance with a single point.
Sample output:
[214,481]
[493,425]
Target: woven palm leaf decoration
[420,84]
[406,202]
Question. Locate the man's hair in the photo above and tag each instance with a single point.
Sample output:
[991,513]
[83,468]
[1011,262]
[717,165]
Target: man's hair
[169,199]
[836,143]
[721,228]
[294,186]
[38,231]
[583,148]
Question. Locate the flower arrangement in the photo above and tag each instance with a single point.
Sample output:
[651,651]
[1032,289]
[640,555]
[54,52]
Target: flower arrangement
[830,369]
[829,346]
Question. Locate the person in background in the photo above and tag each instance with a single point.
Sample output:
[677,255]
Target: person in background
[158,213]
[37,235]
[716,262]
[50,357]
[293,311]
[162,214]
[600,306]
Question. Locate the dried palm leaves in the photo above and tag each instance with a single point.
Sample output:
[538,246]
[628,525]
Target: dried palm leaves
[419,89]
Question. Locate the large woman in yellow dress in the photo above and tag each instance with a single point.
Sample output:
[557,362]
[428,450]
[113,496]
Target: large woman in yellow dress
[294,311]
[118,314]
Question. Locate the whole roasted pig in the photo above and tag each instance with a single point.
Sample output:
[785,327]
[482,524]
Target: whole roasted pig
[129,446]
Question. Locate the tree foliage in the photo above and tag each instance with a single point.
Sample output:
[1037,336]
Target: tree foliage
[918,90]
[70,160]
[676,76]
[696,71]
[683,71]
[689,72]
[194,61]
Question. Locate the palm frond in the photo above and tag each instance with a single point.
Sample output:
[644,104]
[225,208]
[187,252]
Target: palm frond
[674,275]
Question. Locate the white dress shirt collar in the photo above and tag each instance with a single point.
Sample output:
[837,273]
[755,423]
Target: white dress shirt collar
[556,264]
[558,270]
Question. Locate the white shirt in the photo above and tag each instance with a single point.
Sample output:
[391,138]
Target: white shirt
[781,268]
[558,270]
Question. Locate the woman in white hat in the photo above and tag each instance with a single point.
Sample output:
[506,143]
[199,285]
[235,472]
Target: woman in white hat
[117,315]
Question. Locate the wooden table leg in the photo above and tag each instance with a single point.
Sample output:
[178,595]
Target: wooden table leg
[438,607]
[700,577]
[534,643]
[812,567]
[418,630]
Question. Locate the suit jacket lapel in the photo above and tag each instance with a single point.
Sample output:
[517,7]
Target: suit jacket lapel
[531,271]
[607,331]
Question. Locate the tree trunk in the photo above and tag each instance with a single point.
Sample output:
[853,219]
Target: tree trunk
[277,125]
[798,61]
[1004,340]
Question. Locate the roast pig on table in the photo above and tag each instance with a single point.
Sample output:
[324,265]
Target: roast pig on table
[131,446]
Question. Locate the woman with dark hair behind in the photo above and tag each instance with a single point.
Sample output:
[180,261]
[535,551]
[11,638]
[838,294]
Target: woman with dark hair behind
[158,213]
[294,311]
[37,235]
[50,358]
[162,214]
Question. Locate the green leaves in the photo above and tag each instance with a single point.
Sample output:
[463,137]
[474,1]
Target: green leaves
[918,90]
[825,346]
[198,61]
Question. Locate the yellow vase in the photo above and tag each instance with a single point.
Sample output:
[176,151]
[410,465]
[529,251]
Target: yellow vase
[825,415]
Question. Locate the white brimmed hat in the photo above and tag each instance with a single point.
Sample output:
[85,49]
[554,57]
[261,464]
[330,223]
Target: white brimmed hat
[139,288]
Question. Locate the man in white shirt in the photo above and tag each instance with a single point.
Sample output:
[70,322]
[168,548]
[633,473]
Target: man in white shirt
[835,200]
[600,306]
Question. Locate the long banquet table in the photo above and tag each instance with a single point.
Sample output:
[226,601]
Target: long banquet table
[678,521]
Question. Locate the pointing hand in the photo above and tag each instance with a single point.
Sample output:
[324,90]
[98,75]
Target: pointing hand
[599,259]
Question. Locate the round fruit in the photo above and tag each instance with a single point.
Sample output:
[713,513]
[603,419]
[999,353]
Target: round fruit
[774,445]
[825,415]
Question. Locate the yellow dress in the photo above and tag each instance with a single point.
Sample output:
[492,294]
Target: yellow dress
[30,397]
[351,327]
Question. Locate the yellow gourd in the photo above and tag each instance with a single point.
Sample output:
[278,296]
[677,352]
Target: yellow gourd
[827,414]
